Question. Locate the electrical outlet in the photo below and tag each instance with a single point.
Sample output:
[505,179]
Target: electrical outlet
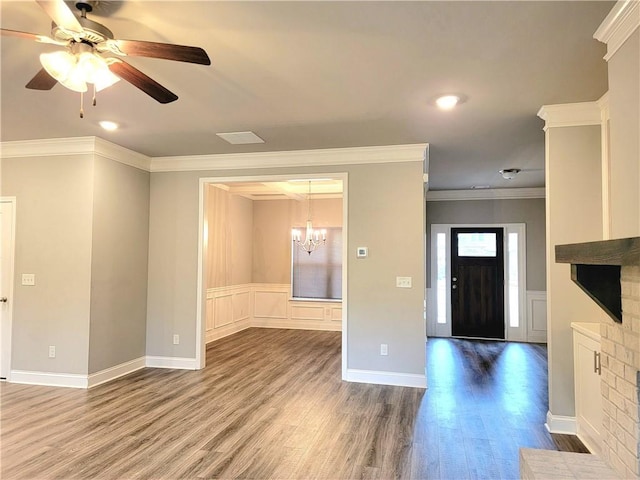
[403,282]
[29,279]
[52,351]
[384,349]
[176,339]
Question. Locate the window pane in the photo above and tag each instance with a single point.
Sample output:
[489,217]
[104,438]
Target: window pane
[441,299]
[514,306]
[477,245]
[319,275]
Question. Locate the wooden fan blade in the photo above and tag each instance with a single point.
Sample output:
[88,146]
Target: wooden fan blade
[138,79]
[16,33]
[42,81]
[61,14]
[166,51]
[30,36]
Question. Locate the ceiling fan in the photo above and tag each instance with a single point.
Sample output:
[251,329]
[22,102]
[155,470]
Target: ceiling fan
[93,55]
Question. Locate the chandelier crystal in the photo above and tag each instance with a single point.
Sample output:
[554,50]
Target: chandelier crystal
[313,238]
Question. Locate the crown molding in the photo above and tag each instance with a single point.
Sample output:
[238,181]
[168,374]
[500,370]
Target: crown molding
[570,114]
[485,194]
[120,154]
[74,146]
[296,158]
[47,147]
[617,27]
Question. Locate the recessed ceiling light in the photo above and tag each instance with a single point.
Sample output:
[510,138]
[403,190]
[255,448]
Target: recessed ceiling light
[240,138]
[108,125]
[447,102]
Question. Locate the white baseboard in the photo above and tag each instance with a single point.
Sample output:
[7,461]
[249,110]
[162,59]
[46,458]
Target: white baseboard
[49,379]
[296,324]
[386,378]
[560,424]
[112,373]
[172,362]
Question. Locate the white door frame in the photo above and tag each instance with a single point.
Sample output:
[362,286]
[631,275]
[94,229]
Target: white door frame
[201,294]
[515,334]
[7,290]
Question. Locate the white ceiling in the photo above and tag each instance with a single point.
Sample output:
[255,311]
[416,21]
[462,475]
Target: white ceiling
[310,75]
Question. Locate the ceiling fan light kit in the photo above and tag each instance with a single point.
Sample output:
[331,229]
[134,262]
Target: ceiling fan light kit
[83,61]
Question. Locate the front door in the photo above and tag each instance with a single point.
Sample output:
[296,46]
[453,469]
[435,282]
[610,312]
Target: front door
[477,282]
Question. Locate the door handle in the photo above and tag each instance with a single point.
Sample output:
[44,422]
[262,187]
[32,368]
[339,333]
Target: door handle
[597,367]
[3,299]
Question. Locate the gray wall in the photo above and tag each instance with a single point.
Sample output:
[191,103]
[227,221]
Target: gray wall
[119,255]
[53,241]
[528,211]
[624,106]
[386,213]
[574,214]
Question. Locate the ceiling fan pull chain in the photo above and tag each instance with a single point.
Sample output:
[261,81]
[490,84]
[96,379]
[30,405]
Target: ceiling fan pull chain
[81,102]
[94,94]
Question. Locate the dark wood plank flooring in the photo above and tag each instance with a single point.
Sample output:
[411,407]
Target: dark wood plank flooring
[270,404]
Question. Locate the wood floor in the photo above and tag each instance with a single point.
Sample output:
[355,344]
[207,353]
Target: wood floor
[270,404]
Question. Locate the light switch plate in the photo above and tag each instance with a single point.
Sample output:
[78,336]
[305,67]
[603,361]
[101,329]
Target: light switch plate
[403,282]
[362,252]
[28,279]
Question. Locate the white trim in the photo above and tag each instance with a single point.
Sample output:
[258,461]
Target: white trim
[74,146]
[485,194]
[386,378]
[50,379]
[296,158]
[171,362]
[6,348]
[570,114]
[108,374]
[605,117]
[560,424]
[618,26]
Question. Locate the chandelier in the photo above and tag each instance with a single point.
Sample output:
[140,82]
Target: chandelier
[313,238]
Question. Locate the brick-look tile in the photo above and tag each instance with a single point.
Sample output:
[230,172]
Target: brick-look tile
[607,346]
[616,366]
[631,409]
[627,389]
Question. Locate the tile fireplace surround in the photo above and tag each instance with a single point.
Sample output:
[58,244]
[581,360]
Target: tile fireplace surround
[609,272]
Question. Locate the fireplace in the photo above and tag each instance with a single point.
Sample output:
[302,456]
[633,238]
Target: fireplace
[609,272]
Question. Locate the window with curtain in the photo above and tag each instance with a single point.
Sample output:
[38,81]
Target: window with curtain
[319,275]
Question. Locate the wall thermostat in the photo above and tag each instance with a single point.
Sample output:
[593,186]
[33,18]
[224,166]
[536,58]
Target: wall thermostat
[361,252]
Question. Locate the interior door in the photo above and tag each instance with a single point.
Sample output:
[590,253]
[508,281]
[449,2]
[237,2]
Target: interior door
[477,282]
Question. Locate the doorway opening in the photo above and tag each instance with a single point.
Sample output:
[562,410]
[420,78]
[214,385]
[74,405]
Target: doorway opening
[245,256]
[487,297]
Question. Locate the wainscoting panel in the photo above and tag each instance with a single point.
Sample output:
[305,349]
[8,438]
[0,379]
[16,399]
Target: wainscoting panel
[302,311]
[270,303]
[222,310]
[536,316]
[234,308]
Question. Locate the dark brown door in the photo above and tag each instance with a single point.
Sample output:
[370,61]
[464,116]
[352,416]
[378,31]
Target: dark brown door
[477,282]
